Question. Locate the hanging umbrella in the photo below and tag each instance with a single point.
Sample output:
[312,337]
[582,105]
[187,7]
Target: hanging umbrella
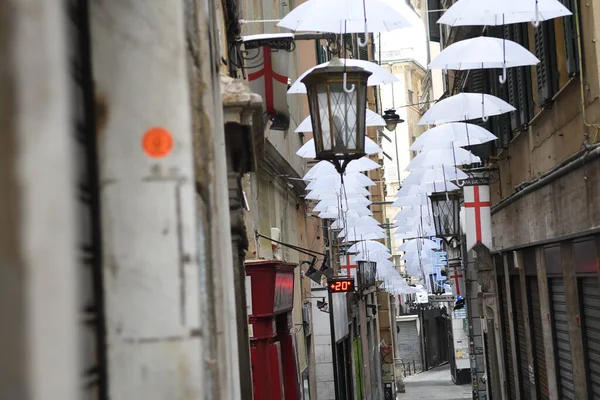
[379,75]
[308,149]
[361,230]
[323,168]
[350,203]
[465,106]
[372,119]
[411,200]
[374,256]
[484,53]
[344,16]
[355,222]
[504,12]
[426,188]
[367,245]
[461,134]
[436,174]
[335,213]
[418,244]
[442,157]
[333,182]
[329,193]
[367,236]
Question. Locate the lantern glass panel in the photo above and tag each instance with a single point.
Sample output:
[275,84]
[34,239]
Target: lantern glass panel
[338,117]
[446,211]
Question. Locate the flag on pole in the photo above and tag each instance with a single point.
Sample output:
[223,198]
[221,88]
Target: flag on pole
[478,216]
[348,266]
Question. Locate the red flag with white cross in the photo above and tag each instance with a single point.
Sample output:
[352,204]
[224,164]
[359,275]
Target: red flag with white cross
[347,266]
[478,216]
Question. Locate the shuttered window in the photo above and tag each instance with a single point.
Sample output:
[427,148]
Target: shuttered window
[590,299]
[538,338]
[507,343]
[520,330]
[546,70]
[432,17]
[363,52]
[518,84]
[562,345]
[571,50]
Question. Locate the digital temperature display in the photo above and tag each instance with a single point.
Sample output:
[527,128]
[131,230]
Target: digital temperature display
[340,285]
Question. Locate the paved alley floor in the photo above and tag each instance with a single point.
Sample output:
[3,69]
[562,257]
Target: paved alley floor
[434,384]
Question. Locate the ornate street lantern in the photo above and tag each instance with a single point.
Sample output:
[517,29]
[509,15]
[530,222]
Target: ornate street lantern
[446,213]
[392,119]
[337,99]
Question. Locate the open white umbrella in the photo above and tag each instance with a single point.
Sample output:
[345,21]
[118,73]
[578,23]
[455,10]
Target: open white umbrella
[426,188]
[442,157]
[329,192]
[354,222]
[465,106]
[379,75]
[324,168]
[411,200]
[459,133]
[308,149]
[372,119]
[333,182]
[344,16]
[335,212]
[502,12]
[361,230]
[427,175]
[366,236]
[367,245]
[350,203]
[484,53]
[418,244]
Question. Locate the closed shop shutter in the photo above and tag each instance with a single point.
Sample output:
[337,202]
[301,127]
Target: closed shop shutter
[512,388]
[409,344]
[523,363]
[489,361]
[93,374]
[538,338]
[562,345]
[590,290]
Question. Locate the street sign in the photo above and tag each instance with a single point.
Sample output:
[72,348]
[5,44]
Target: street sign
[443,298]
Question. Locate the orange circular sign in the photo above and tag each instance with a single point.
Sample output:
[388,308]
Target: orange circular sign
[157,142]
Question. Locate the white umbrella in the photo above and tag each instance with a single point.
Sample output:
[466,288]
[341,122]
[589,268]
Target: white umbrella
[355,222]
[496,12]
[344,16]
[379,76]
[329,193]
[426,188]
[418,245]
[373,256]
[465,106]
[308,149]
[366,236]
[350,203]
[367,245]
[484,52]
[333,182]
[335,213]
[461,134]
[361,230]
[441,157]
[427,175]
[411,200]
[323,168]
[372,119]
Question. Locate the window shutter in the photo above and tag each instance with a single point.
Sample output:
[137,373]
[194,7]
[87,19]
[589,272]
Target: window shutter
[477,82]
[511,86]
[435,33]
[545,50]
[571,49]
[363,52]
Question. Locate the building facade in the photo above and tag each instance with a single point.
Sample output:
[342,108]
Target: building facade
[539,287]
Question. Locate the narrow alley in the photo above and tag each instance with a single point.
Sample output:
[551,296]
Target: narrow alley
[434,384]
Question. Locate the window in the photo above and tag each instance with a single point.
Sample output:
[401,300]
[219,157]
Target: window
[571,50]
[410,97]
[546,71]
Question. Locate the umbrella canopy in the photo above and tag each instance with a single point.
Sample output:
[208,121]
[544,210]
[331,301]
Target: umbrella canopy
[441,157]
[411,200]
[344,16]
[335,213]
[308,149]
[427,175]
[372,119]
[465,106]
[361,230]
[418,244]
[426,188]
[365,236]
[379,75]
[367,246]
[333,182]
[355,222]
[461,134]
[350,203]
[329,193]
[495,12]
[324,168]
[483,52]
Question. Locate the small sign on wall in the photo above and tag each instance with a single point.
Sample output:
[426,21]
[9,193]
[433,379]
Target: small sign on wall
[249,295]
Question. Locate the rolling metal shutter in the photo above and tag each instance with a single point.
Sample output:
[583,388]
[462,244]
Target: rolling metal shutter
[562,345]
[93,343]
[521,338]
[538,338]
[512,388]
[590,290]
